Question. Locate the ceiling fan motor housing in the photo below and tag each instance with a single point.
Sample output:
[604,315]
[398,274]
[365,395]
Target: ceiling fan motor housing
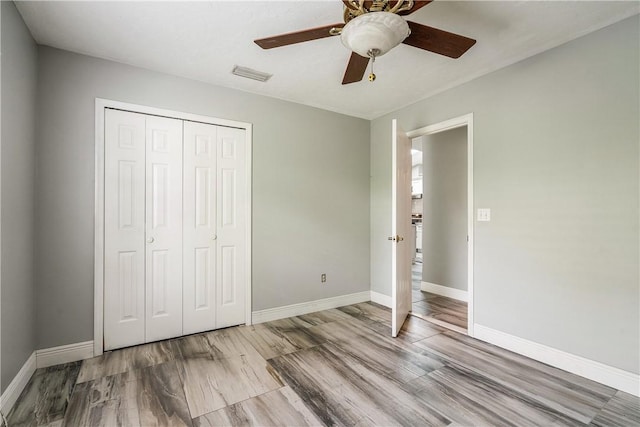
[381,31]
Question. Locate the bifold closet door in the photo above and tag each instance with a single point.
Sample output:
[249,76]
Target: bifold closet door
[124,229]
[231,277]
[163,265]
[199,268]
[215,227]
[143,229]
[176,228]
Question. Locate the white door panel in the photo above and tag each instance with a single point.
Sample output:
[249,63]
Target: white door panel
[199,227]
[231,227]
[163,228]
[176,224]
[124,229]
[401,224]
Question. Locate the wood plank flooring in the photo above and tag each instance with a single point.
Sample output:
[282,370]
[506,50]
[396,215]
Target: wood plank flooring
[44,400]
[442,311]
[335,367]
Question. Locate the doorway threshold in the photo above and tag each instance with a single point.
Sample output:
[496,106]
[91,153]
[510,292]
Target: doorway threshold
[440,323]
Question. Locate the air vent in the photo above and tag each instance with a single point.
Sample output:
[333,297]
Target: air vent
[250,74]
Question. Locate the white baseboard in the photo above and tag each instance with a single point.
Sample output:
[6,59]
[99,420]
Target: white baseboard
[308,307]
[596,371]
[64,354]
[445,291]
[42,359]
[11,394]
[381,299]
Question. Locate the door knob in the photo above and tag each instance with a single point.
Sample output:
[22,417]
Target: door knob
[150,240]
[214,237]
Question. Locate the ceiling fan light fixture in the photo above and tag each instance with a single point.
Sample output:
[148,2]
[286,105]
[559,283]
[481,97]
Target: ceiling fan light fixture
[374,32]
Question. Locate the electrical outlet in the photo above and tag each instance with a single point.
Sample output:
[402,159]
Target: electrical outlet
[323,277]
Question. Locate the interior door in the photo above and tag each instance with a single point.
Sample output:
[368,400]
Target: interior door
[199,268]
[124,166]
[163,267]
[401,225]
[231,227]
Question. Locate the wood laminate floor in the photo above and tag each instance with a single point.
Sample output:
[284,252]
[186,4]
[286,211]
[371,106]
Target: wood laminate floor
[443,311]
[334,367]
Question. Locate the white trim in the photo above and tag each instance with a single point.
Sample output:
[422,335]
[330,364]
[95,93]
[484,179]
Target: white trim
[64,354]
[1,395]
[445,291]
[249,199]
[309,307]
[446,125]
[381,299]
[98,279]
[470,226]
[466,120]
[596,371]
[172,114]
[98,251]
[19,382]
[42,359]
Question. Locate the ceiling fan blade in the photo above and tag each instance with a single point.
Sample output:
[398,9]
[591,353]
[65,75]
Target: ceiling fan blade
[416,6]
[438,41]
[297,37]
[355,69]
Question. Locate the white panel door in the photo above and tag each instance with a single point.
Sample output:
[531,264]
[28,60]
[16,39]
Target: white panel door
[163,235]
[199,227]
[231,215]
[124,247]
[401,223]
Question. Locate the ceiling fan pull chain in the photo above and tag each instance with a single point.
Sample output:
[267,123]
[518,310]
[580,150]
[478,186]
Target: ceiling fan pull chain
[372,76]
[372,54]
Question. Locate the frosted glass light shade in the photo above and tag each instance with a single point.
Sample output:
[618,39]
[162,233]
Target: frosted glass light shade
[374,30]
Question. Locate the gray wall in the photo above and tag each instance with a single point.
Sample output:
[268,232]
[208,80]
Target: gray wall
[19,78]
[556,159]
[310,188]
[444,218]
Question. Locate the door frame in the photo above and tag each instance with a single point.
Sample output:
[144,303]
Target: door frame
[98,271]
[457,122]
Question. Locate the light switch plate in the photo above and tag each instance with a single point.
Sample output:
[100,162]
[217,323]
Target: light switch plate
[484,214]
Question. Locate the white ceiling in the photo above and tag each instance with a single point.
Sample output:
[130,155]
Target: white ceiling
[204,40]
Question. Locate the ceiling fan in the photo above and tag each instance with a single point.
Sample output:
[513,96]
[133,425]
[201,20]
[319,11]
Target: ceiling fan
[371,29]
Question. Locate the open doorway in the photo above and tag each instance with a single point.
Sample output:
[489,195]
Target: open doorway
[441,230]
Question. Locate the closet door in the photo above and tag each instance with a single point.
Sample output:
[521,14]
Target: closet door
[175,228]
[199,217]
[163,228]
[124,248]
[231,227]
